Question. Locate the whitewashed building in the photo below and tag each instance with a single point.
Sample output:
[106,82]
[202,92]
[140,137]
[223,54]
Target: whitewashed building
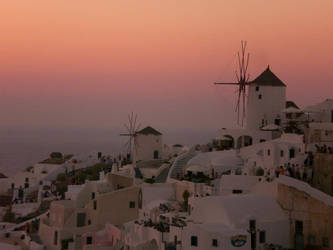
[235,222]
[321,112]
[266,100]
[289,148]
[148,144]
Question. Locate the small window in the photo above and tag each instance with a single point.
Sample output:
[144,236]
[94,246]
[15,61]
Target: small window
[252,224]
[298,227]
[291,153]
[262,237]
[214,243]
[194,241]
[260,97]
[237,191]
[93,195]
[326,242]
[268,152]
[26,179]
[80,220]
[132,204]
[262,140]
[55,239]
[257,88]
[95,205]
[89,240]
[281,153]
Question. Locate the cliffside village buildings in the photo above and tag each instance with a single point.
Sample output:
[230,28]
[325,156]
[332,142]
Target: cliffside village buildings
[266,186]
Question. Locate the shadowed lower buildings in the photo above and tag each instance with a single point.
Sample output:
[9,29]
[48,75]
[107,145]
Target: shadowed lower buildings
[94,206]
[310,213]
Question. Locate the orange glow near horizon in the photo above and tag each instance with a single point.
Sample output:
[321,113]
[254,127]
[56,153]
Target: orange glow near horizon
[163,52]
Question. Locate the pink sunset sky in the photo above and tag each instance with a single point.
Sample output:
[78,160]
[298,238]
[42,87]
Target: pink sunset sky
[89,63]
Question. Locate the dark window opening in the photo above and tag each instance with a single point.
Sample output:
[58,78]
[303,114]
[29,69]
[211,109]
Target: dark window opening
[95,205]
[281,153]
[80,220]
[93,195]
[55,239]
[253,234]
[260,97]
[89,240]
[132,204]
[252,225]
[194,241]
[291,153]
[262,140]
[299,227]
[155,154]
[277,122]
[268,152]
[257,88]
[237,191]
[214,242]
[262,237]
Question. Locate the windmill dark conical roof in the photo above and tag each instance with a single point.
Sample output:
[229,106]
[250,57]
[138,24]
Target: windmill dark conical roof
[149,131]
[268,78]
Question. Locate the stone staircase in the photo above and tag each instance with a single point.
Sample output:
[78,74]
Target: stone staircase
[178,167]
[162,177]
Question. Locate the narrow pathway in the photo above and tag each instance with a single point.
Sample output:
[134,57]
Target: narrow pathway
[162,177]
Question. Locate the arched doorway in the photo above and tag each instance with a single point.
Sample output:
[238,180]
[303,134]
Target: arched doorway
[291,153]
[156,154]
[244,141]
[227,142]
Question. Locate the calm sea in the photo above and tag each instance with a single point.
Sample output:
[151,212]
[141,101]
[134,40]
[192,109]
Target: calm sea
[23,147]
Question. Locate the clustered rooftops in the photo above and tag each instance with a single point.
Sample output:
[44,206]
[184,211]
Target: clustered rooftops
[268,78]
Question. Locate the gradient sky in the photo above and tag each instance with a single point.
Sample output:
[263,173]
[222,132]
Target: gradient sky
[88,63]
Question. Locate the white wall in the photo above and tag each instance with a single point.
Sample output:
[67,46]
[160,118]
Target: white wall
[146,145]
[205,239]
[256,134]
[272,102]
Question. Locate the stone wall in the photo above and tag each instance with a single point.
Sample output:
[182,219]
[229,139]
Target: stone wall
[323,172]
[315,215]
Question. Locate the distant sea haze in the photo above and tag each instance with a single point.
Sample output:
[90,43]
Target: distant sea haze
[23,147]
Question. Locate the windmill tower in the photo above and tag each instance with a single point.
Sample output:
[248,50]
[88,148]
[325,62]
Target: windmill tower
[131,145]
[242,78]
[266,96]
